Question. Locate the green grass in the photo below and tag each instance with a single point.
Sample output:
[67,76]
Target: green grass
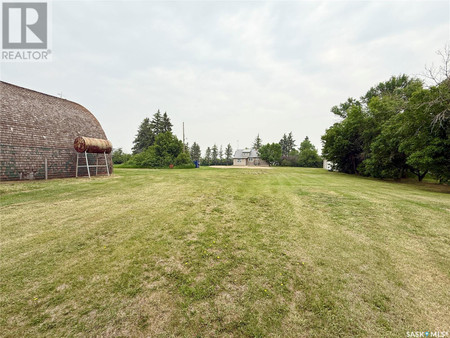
[224,252]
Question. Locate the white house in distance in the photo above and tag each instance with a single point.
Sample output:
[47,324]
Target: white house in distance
[248,157]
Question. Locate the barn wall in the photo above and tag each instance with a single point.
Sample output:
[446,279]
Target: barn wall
[35,126]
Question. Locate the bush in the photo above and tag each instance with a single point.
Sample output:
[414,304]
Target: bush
[183,159]
[162,153]
[118,156]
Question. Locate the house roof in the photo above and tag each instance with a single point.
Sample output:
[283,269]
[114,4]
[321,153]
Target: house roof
[246,153]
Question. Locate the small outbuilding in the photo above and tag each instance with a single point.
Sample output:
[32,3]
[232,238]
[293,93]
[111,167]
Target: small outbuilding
[327,165]
[37,132]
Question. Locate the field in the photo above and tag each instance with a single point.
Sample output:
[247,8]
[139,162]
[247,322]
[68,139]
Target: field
[224,252]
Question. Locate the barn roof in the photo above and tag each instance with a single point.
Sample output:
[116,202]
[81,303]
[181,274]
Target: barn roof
[34,125]
[33,118]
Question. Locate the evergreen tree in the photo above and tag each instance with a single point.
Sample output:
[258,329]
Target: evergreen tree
[284,145]
[257,143]
[214,154]
[195,152]
[157,123]
[290,143]
[144,138]
[166,125]
[287,144]
[228,153]
[207,159]
[221,154]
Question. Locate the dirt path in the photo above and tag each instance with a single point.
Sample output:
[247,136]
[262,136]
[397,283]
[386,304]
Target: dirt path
[239,167]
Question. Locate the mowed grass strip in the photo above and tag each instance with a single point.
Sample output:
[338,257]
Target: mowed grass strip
[224,252]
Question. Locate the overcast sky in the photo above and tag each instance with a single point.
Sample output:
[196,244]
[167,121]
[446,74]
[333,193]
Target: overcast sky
[230,70]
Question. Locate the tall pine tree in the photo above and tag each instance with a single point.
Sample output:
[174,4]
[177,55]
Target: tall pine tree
[195,152]
[157,123]
[257,143]
[207,158]
[287,144]
[221,154]
[148,130]
[228,153]
[144,138]
[214,154]
[290,142]
[166,124]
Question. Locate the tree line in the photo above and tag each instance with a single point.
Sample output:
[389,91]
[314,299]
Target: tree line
[399,127]
[286,154]
[218,155]
[156,146]
[283,153]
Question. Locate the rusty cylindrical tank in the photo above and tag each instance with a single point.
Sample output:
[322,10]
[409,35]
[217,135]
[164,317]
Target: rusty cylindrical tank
[92,145]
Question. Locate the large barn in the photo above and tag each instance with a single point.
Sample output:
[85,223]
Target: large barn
[36,128]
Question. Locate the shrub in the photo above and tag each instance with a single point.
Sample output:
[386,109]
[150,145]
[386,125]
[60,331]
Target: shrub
[183,158]
[162,153]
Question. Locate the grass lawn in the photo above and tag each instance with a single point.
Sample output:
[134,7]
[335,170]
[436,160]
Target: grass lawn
[224,252]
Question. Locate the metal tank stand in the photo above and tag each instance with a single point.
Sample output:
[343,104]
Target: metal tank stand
[87,165]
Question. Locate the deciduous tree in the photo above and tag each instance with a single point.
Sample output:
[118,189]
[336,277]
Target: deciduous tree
[162,153]
[309,156]
[118,156]
[271,153]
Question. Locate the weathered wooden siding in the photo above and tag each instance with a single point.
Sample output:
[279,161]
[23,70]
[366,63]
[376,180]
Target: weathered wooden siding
[35,126]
